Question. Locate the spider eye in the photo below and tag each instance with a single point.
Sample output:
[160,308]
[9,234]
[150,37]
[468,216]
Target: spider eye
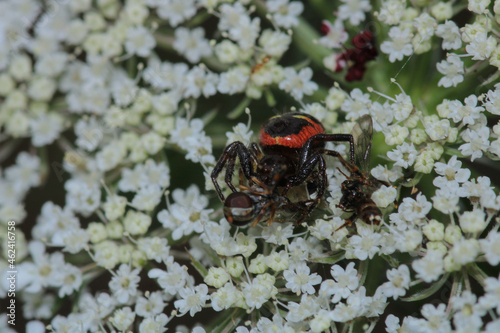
[239,209]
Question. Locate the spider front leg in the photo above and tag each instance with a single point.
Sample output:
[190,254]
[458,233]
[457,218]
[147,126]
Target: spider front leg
[320,139]
[305,170]
[233,150]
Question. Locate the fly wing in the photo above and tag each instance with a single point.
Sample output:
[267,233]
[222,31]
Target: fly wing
[362,133]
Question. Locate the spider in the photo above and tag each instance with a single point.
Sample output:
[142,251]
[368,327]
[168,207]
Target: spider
[291,156]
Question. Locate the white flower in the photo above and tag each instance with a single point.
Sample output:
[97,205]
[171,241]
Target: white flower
[155,248]
[481,190]
[396,134]
[228,52]
[42,272]
[468,312]
[69,279]
[278,261]
[476,142]
[114,207]
[176,11]
[478,6]
[216,277]
[122,318]
[21,67]
[234,80]
[491,247]
[299,279]
[434,230]
[274,43]
[425,25]
[473,221]
[415,209]
[139,41]
[392,324]
[191,137]
[481,46]
[198,81]
[399,282]
[82,195]
[106,254]
[278,233]
[384,196]
[231,15]
[468,114]
[235,266]
[465,251]
[300,249]
[46,128]
[400,45]
[123,89]
[284,13]
[381,172]
[136,223]
[74,240]
[258,265]
[24,174]
[453,70]
[450,34]
[321,321]
[402,107]
[193,299]
[356,306]
[446,201]
[345,281]
[278,324]
[492,103]
[225,297]
[110,155]
[154,324]
[307,307]
[187,214]
[391,12]
[364,245]
[407,240]
[492,293]
[147,197]
[354,10]
[89,132]
[246,32]
[436,319]
[298,84]
[124,283]
[51,64]
[404,155]
[336,35]
[165,75]
[259,290]
[430,267]
[174,279]
[192,44]
[436,130]
[357,105]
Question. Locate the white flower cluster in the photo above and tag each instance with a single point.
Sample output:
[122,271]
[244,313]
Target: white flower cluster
[107,107]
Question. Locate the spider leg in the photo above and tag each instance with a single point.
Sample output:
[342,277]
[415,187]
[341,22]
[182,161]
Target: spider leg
[262,213]
[319,139]
[306,169]
[228,157]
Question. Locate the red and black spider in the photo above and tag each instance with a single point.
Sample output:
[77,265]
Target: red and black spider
[291,155]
